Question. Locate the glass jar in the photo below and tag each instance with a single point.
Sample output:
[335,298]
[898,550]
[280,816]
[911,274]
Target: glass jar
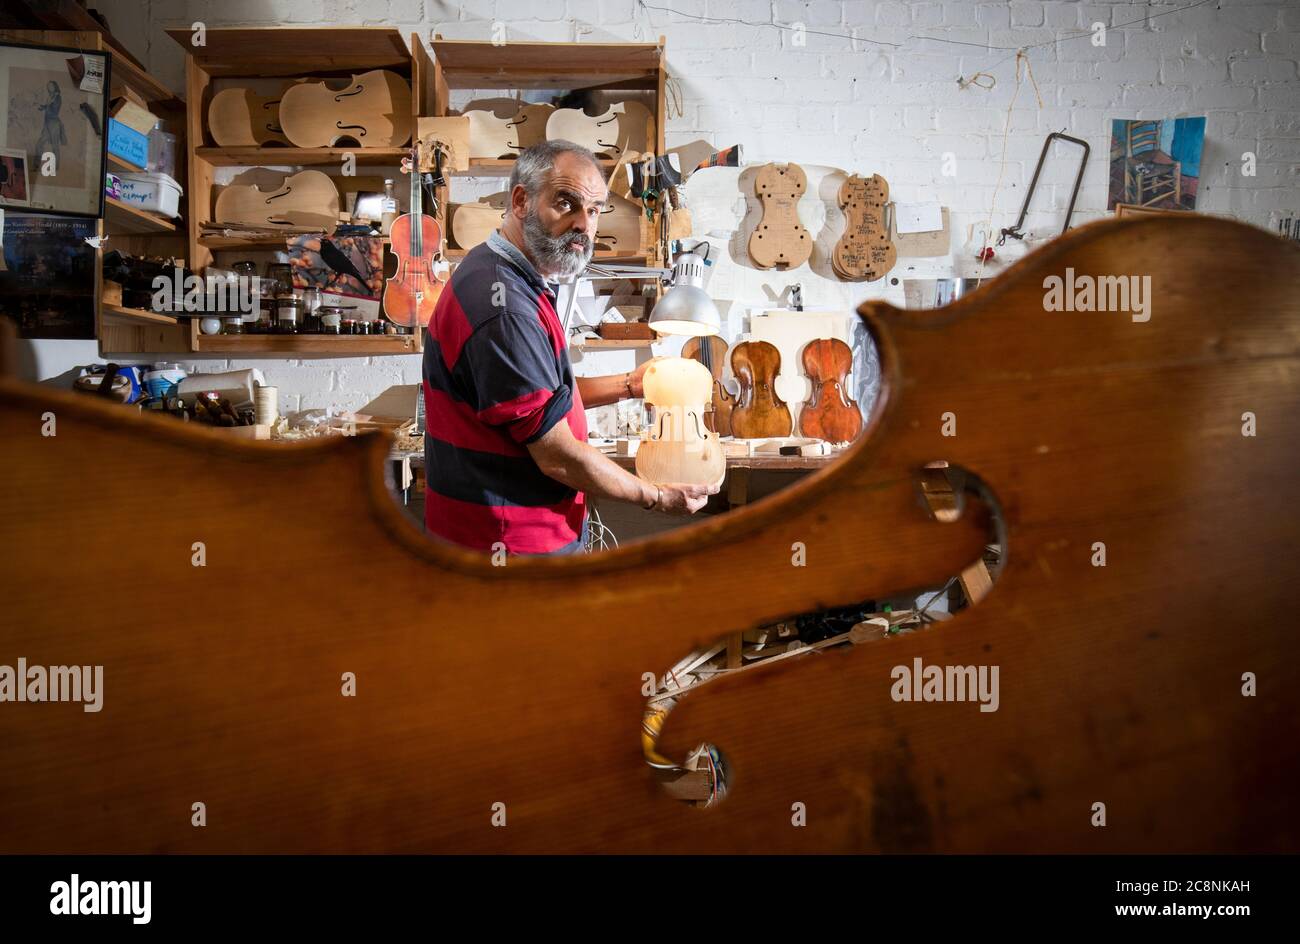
[331,319]
[281,275]
[288,313]
[349,326]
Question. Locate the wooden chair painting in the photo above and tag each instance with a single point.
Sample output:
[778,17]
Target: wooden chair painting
[1150,175]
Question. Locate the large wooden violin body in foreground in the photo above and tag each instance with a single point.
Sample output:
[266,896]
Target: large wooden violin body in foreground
[1164,449]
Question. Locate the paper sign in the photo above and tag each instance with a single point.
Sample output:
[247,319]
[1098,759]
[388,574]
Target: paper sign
[918,217]
[93,80]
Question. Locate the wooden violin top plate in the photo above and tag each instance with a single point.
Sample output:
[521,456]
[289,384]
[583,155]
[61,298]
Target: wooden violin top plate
[239,117]
[490,136]
[307,198]
[374,109]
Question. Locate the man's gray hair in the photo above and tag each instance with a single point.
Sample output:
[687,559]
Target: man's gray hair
[533,164]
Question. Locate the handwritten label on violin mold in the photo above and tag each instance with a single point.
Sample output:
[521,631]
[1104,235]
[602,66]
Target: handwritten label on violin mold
[864,252]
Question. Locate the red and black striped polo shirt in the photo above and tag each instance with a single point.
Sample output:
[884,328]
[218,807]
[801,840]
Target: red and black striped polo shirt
[497,377]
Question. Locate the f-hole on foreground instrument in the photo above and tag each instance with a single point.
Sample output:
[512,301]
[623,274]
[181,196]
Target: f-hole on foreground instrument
[1160,448]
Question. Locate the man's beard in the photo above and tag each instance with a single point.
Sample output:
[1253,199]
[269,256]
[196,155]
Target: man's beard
[552,255]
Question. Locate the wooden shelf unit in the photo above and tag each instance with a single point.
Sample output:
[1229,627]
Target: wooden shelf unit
[291,345]
[117,314]
[269,52]
[516,66]
[122,330]
[123,218]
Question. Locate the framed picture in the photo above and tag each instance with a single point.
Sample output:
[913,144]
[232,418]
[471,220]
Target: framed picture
[1132,209]
[47,275]
[56,121]
[13,177]
[1155,164]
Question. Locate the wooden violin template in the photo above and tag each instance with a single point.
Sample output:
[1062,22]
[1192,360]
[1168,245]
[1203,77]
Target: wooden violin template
[1131,684]
[239,117]
[491,137]
[711,351]
[625,127]
[780,239]
[680,447]
[305,199]
[529,125]
[864,251]
[374,110]
[473,223]
[416,240]
[829,413]
[760,412]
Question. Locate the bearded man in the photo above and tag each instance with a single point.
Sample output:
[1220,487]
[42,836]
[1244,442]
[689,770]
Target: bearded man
[507,461]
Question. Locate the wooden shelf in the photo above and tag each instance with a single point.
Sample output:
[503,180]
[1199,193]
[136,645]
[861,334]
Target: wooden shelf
[296,157]
[480,64]
[501,167]
[288,345]
[603,344]
[116,314]
[126,72]
[116,163]
[123,218]
[296,51]
[601,254]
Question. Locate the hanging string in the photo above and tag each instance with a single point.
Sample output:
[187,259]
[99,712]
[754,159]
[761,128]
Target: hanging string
[1022,58]
[673,95]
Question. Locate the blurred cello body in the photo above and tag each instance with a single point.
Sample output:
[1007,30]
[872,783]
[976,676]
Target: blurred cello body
[1118,683]
[761,413]
[829,413]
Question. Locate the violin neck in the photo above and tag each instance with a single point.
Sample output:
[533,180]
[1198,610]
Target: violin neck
[417,230]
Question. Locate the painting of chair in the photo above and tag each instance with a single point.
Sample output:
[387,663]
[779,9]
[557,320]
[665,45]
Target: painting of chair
[1150,175]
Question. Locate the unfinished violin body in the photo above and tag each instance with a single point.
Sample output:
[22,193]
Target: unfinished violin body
[307,198]
[711,351]
[372,109]
[1166,443]
[760,413]
[830,413]
[680,447]
[239,117]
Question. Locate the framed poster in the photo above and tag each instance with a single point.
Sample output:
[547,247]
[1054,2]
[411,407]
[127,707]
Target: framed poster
[47,275]
[56,118]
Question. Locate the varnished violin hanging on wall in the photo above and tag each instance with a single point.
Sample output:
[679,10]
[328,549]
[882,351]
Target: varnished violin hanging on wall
[711,351]
[829,413]
[416,241]
[761,413]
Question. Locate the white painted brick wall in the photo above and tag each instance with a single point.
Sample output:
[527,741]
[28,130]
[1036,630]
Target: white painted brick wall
[865,107]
